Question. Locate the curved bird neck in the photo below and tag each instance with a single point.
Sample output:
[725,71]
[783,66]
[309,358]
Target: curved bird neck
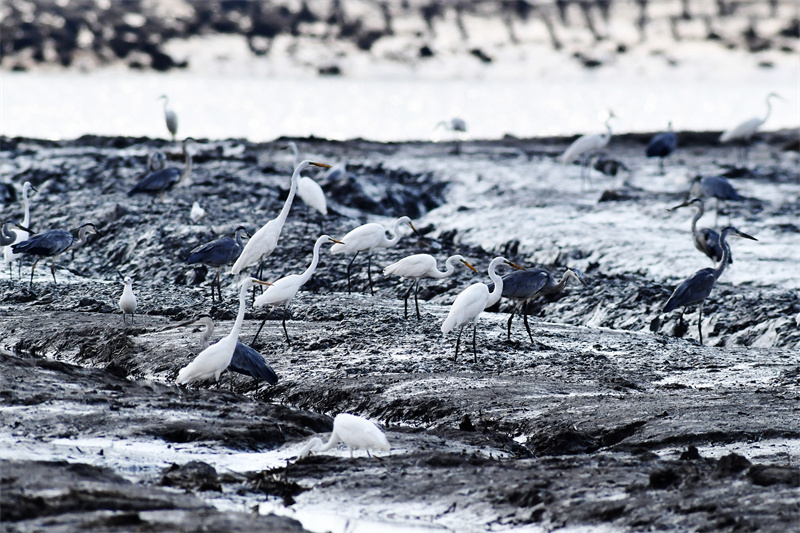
[287,205]
[697,216]
[206,336]
[495,295]
[726,253]
[769,109]
[395,233]
[81,238]
[305,276]
[237,326]
[449,268]
[238,238]
[26,220]
[296,153]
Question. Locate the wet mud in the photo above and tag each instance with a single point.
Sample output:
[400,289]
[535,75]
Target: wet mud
[597,421]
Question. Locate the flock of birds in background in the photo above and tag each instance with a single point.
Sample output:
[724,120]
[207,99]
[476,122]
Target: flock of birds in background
[521,285]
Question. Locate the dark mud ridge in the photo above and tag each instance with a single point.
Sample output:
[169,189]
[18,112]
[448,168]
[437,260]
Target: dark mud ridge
[597,421]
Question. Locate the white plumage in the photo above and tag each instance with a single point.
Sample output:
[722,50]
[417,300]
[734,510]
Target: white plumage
[308,190]
[748,128]
[170,117]
[265,239]
[197,212]
[587,145]
[355,432]
[8,255]
[127,302]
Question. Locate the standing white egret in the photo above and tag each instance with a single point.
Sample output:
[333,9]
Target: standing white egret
[355,432]
[309,190]
[265,240]
[419,266]
[366,238]
[8,235]
[285,289]
[469,305]
[212,361]
[743,133]
[21,235]
[127,302]
[51,244]
[170,117]
[455,125]
[585,147]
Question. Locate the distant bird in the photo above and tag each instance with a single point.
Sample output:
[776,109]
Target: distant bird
[51,244]
[265,240]
[355,432]
[743,133]
[469,305]
[212,361]
[714,187]
[523,286]
[585,147]
[661,146]
[22,235]
[285,289]
[455,125]
[170,117]
[706,240]
[156,160]
[217,254]
[696,289]
[245,360]
[127,302]
[366,238]
[337,171]
[160,181]
[309,190]
[197,213]
[417,266]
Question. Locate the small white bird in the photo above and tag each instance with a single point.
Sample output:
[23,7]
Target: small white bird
[212,361]
[355,432]
[309,190]
[197,212]
[8,255]
[285,289]
[419,266]
[745,131]
[366,238]
[127,302]
[585,147]
[265,240]
[472,301]
[170,117]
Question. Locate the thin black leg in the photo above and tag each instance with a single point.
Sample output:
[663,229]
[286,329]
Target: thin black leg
[525,320]
[349,266]
[53,270]
[416,303]
[510,319]
[252,342]
[700,322]
[458,341]
[474,344]
[32,269]
[284,330]
[369,274]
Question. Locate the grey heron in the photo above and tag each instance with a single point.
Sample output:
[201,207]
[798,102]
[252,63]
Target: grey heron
[51,244]
[217,254]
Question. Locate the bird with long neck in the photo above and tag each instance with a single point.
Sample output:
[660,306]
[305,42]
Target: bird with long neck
[23,234]
[51,244]
[160,181]
[264,241]
[694,290]
[744,132]
[706,240]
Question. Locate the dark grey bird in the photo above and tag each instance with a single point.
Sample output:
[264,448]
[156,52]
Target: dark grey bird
[714,187]
[705,239]
[245,360]
[661,146]
[156,160]
[696,289]
[163,180]
[51,244]
[522,286]
[219,253]
[7,234]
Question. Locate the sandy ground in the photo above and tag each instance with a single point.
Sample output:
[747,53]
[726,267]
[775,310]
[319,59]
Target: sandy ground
[597,422]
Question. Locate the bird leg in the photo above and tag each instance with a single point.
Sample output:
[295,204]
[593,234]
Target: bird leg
[349,266]
[510,318]
[700,322]
[458,341]
[252,342]
[661,165]
[525,319]
[474,346]
[416,291]
[32,269]
[53,269]
[369,274]
[405,301]
[286,312]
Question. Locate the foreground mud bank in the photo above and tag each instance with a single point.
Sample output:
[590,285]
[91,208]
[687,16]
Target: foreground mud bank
[597,421]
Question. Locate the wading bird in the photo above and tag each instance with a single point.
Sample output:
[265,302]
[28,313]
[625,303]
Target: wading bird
[156,160]
[127,302]
[366,238]
[743,133]
[417,266]
[9,256]
[51,244]
[455,125]
[714,187]
[161,181]
[661,146]
[7,234]
[696,289]
[170,117]
[245,360]
[265,240]
[212,361]
[285,289]
[309,190]
[469,305]
[355,432]
[217,254]
[524,286]
[585,147]
[706,240]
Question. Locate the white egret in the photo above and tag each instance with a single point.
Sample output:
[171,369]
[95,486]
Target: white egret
[455,125]
[170,117]
[22,234]
[585,147]
[366,238]
[51,244]
[212,361]
[309,190]
[265,240]
[419,266]
[355,432]
[127,302]
[744,132]
[469,305]
[285,289]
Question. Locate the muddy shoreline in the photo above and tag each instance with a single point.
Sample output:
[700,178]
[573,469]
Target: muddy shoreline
[598,421]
